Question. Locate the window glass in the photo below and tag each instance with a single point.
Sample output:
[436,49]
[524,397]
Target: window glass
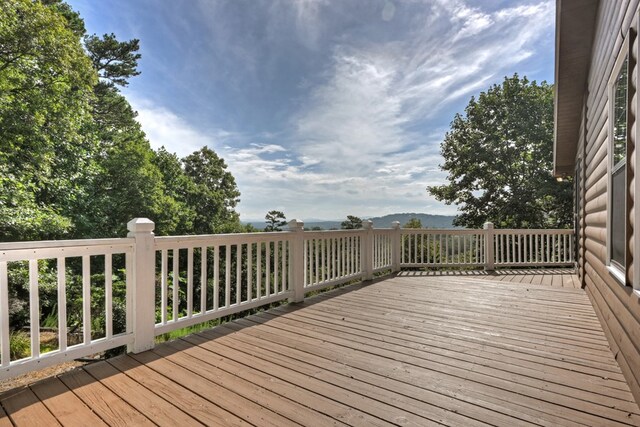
[620,92]
[618,221]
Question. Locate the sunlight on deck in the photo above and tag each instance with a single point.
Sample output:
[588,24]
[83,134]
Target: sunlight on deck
[406,350]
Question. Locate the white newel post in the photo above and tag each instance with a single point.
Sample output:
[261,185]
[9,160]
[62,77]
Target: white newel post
[489,262]
[143,286]
[396,240]
[297,260]
[367,252]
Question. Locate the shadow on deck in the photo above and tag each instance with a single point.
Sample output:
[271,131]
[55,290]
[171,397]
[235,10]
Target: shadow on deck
[411,349]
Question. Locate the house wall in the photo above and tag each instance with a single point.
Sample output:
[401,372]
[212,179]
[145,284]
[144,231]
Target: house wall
[617,306]
[580,223]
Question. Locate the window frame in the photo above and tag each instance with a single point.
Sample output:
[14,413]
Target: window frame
[634,50]
[620,274]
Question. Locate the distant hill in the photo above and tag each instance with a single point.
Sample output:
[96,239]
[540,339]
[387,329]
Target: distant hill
[427,220]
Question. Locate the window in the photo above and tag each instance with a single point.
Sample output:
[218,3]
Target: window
[619,100]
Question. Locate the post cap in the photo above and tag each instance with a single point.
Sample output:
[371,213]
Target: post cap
[367,224]
[141,225]
[395,224]
[296,225]
[488,225]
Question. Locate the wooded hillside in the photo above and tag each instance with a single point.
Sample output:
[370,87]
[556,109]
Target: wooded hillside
[74,162]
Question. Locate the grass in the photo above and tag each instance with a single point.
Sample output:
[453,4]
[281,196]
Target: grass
[170,336]
[46,347]
[178,333]
[19,345]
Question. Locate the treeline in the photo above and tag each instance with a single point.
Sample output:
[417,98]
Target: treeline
[74,162]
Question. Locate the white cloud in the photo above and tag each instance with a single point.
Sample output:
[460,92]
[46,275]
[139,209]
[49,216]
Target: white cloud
[473,21]
[165,128]
[270,176]
[357,128]
[358,144]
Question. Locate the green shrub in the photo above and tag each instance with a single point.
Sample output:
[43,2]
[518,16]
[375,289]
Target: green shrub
[19,345]
[51,319]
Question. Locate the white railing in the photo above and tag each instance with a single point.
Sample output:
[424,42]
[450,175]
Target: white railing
[442,248]
[487,248]
[382,249]
[220,275]
[530,248]
[135,288]
[74,270]
[331,258]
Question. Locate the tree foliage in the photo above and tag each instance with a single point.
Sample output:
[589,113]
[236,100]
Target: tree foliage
[351,223]
[46,85]
[214,195]
[114,61]
[275,220]
[74,161]
[498,156]
[413,223]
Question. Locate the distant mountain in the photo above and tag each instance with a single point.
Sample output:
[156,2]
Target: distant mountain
[427,220]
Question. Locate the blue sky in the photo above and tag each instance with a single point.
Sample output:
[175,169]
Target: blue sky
[322,108]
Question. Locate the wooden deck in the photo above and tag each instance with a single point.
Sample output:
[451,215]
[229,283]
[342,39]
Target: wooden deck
[556,277]
[407,350]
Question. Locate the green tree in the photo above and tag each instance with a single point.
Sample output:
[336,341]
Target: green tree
[74,161]
[177,216]
[46,85]
[214,195]
[499,160]
[114,61]
[74,21]
[413,223]
[275,220]
[125,182]
[351,223]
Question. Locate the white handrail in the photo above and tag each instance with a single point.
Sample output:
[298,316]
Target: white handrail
[39,260]
[229,273]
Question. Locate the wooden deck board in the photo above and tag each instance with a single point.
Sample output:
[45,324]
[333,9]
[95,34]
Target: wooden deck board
[246,409]
[521,367]
[201,408]
[157,409]
[413,349]
[205,365]
[4,419]
[65,406]
[106,404]
[25,409]
[521,275]
[430,368]
[314,394]
[458,409]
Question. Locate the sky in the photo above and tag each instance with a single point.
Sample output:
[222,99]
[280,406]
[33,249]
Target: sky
[322,108]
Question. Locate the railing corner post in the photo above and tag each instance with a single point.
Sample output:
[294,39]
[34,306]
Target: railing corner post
[297,261]
[143,284]
[367,252]
[489,261]
[397,244]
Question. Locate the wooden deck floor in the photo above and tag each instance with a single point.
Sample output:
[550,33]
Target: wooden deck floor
[407,350]
[556,277]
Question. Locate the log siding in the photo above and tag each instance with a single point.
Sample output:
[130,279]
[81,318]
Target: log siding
[617,306]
